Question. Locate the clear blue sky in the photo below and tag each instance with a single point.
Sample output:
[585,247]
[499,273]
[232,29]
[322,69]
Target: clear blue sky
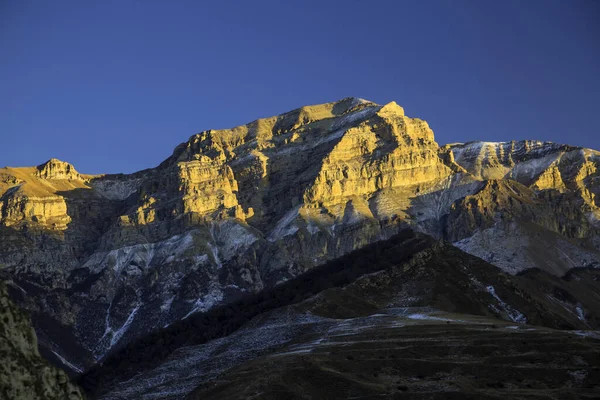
[113,86]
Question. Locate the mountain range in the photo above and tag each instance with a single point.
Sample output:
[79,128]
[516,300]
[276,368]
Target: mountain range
[291,230]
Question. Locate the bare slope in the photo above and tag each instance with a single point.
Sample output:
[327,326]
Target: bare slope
[438,317]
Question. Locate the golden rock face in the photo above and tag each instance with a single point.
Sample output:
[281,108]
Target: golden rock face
[328,162]
[56,169]
[237,210]
[388,152]
[50,210]
[316,157]
[36,195]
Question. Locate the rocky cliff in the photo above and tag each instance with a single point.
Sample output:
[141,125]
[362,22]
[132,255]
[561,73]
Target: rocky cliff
[24,374]
[100,259]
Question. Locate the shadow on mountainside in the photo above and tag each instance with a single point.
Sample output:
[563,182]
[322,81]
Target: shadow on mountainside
[408,270]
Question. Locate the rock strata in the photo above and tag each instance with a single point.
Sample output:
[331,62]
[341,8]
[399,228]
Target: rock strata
[101,259]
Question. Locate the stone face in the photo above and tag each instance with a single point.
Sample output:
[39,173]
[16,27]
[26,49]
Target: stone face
[38,196]
[24,374]
[101,259]
[387,151]
[56,169]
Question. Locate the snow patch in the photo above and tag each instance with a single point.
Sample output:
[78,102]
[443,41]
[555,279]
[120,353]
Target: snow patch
[591,334]
[206,302]
[116,189]
[67,363]
[429,317]
[231,238]
[283,228]
[580,313]
[513,314]
[119,333]
[187,367]
[527,171]
[352,118]
[436,203]
[140,255]
[166,306]
[523,161]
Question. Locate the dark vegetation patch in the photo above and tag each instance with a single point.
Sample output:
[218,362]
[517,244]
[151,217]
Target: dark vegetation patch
[220,321]
[422,362]
[83,280]
[443,277]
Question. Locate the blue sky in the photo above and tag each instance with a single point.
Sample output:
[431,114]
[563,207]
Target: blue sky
[114,86]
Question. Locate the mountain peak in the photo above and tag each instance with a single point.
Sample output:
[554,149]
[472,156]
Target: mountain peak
[391,108]
[237,210]
[57,169]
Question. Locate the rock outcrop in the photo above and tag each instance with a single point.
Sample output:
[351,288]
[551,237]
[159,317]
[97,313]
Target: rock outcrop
[101,259]
[24,374]
[57,169]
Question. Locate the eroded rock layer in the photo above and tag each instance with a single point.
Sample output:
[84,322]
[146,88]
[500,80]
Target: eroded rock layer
[101,259]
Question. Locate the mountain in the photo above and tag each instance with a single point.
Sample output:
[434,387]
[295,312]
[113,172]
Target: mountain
[408,315]
[100,260]
[24,374]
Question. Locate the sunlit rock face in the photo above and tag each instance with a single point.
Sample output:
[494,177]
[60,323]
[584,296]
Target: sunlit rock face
[33,195]
[101,259]
[537,206]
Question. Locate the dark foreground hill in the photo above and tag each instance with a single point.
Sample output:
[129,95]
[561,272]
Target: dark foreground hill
[419,356]
[409,315]
[24,374]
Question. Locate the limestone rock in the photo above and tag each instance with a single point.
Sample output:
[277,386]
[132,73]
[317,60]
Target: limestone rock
[102,259]
[56,169]
[38,196]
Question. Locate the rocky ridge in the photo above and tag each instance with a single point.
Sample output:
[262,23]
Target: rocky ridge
[407,314]
[101,259]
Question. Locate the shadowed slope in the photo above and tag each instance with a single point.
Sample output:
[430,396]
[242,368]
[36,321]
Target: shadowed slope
[24,375]
[406,272]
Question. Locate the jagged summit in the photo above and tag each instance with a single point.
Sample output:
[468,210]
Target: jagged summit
[266,131]
[392,108]
[305,150]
